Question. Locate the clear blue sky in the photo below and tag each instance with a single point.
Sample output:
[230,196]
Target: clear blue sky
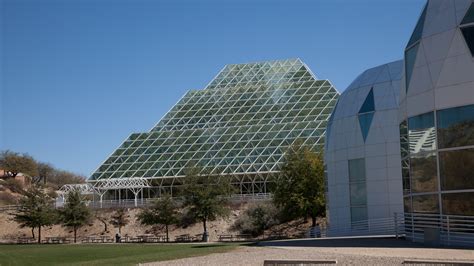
[78,76]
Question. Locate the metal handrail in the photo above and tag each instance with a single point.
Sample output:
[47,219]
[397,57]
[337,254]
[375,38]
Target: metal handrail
[452,229]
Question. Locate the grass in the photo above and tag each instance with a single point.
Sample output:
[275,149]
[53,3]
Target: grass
[103,254]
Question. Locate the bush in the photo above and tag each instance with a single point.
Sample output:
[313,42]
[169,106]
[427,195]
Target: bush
[257,218]
[14,185]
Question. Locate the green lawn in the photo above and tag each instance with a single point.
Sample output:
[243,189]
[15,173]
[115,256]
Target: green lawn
[105,254]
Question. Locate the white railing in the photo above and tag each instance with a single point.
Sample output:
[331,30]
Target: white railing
[445,229]
[449,230]
[381,226]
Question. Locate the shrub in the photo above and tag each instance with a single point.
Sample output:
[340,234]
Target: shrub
[257,218]
[14,185]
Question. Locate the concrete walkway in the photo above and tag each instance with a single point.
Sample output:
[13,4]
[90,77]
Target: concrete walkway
[347,251]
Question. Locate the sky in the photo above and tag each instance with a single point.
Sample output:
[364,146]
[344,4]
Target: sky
[77,77]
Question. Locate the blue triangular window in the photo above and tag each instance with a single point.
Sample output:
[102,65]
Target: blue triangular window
[366,113]
[468,33]
[368,105]
[365,120]
[417,33]
[410,58]
[469,17]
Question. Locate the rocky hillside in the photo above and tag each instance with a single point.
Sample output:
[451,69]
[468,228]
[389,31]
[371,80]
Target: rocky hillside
[10,231]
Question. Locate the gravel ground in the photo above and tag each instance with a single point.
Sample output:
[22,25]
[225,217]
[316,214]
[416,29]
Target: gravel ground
[365,255]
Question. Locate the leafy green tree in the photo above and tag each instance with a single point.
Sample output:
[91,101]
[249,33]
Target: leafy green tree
[299,189]
[119,219]
[75,213]
[205,196]
[162,212]
[14,163]
[44,171]
[36,210]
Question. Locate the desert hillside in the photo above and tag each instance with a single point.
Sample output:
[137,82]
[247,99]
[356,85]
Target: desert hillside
[10,230]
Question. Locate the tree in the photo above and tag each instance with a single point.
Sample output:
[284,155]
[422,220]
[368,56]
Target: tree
[299,189]
[119,219]
[205,196]
[44,171]
[75,213]
[99,215]
[162,212]
[14,163]
[36,210]
[58,178]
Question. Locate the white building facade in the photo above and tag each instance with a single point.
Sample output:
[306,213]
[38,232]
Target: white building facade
[403,142]
[437,111]
[362,154]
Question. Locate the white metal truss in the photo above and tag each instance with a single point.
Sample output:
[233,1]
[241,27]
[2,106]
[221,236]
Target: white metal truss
[85,188]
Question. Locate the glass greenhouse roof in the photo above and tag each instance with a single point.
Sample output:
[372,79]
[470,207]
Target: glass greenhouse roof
[241,123]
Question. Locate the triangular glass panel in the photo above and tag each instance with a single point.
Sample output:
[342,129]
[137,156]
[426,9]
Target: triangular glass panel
[410,58]
[468,33]
[365,120]
[368,105]
[469,17]
[417,33]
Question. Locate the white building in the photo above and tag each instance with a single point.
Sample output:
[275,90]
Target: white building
[425,104]
[363,151]
[437,111]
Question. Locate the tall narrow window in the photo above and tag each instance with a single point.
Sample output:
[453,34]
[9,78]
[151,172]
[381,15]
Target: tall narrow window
[358,193]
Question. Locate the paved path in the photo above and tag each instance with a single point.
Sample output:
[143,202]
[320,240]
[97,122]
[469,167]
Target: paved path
[345,251]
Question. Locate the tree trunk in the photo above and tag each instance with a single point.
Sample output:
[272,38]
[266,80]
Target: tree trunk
[167,235]
[105,225]
[39,234]
[313,221]
[204,225]
[75,234]
[205,235]
[33,232]
[120,230]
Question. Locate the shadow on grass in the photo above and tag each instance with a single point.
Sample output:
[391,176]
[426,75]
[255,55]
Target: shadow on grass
[224,244]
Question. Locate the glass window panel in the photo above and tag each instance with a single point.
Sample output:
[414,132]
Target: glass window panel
[368,105]
[404,145]
[406,176]
[423,173]
[468,33]
[357,170]
[410,58]
[469,17]
[358,194]
[458,203]
[457,169]
[365,120]
[407,204]
[456,126]
[358,214]
[426,203]
[417,33]
[421,133]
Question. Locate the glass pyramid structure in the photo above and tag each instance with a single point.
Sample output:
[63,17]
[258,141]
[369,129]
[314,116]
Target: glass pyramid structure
[239,125]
